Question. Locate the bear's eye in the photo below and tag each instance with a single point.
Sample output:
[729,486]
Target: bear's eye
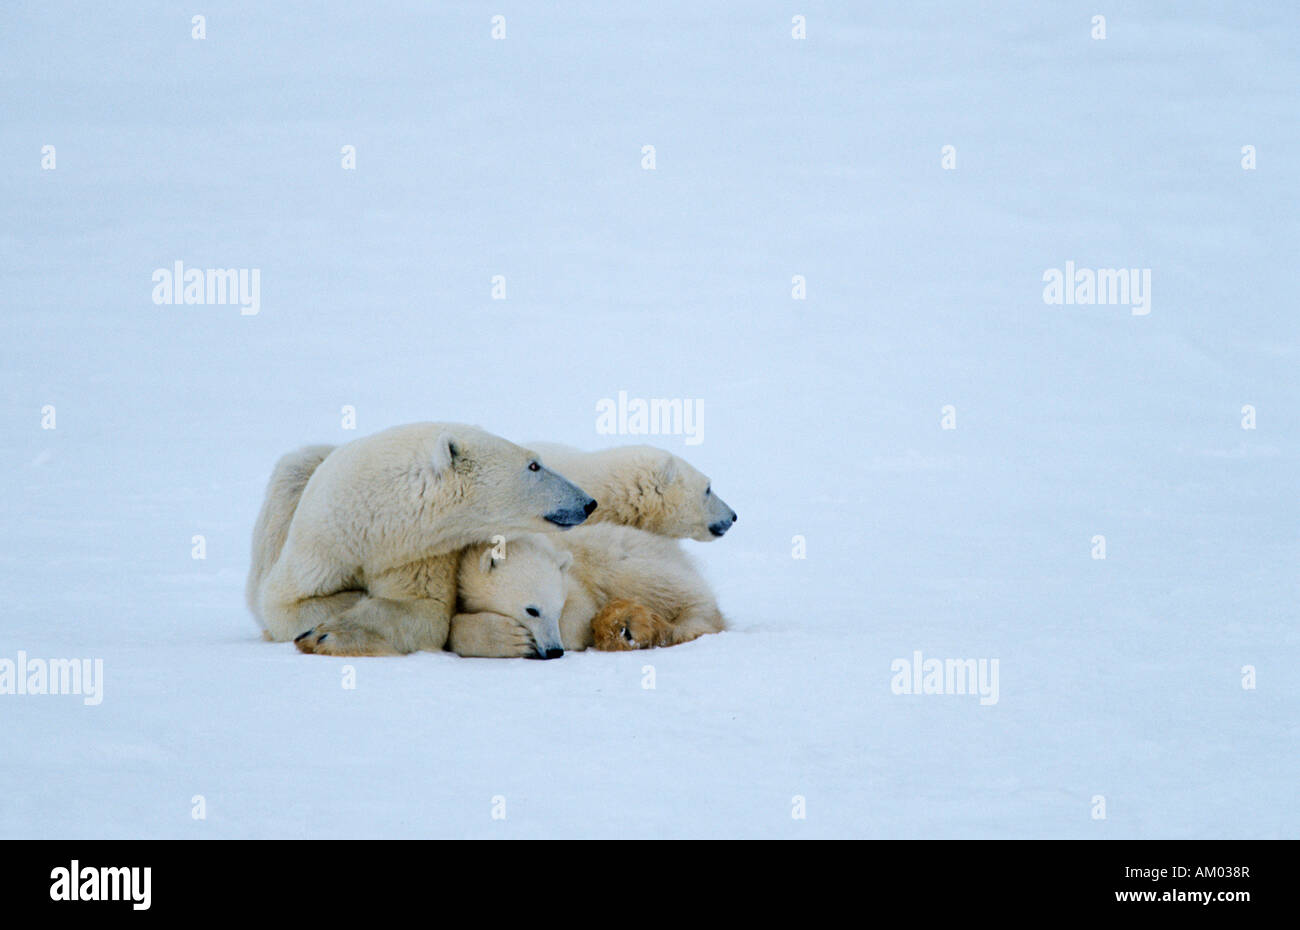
[533,466]
[532,611]
[708,490]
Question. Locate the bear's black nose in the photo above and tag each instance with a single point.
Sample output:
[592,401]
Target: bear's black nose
[553,653]
[591,505]
[734,516]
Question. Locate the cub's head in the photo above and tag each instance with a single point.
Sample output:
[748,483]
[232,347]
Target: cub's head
[501,487]
[686,506]
[522,579]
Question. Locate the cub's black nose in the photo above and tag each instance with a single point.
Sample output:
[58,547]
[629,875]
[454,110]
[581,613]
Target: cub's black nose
[553,653]
[591,505]
[734,516]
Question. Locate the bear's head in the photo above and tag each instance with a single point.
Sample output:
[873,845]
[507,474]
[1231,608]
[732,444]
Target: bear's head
[522,579]
[686,507]
[501,488]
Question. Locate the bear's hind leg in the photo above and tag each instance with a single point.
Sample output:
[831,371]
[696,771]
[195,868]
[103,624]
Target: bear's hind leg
[695,621]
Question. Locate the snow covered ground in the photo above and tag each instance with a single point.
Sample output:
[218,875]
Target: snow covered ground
[774,157]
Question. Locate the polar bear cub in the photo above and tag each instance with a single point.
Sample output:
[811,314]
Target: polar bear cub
[645,487]
[608,586]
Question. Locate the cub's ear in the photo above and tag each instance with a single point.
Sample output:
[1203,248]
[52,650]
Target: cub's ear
[668,468]
[486,562]
[445,450]
[564,560]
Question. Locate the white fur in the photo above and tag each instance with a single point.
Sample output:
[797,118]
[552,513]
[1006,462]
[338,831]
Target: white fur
[369,555]
[643,487]
[288,480]
[572,576]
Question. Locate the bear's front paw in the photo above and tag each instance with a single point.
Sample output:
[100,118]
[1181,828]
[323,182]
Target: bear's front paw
[489,635]
[624,625]
[330,640]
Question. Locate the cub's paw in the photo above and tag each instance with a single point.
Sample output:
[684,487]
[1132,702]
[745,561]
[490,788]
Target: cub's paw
[331,640]
[489,635]
[624,625]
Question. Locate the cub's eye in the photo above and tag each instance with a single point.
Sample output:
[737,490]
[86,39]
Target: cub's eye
[708,490]
[533,466]
[531,611]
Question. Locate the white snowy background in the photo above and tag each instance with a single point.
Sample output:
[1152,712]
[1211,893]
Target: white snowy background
[775,157]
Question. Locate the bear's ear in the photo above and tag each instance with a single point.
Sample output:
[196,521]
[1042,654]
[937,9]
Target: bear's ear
[564,560]
[486,561]
[445,451]
[668,469]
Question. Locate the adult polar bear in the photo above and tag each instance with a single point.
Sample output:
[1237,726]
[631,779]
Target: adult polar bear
[364,562]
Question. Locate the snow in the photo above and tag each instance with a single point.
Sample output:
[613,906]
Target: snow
[1119,677]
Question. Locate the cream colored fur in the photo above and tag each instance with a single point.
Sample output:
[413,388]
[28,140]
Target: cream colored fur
[367,563]
[284,490]
[644,487]
[569,578]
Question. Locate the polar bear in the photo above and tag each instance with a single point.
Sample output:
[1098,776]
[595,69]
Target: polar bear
[604,585]
[644,487]
[368,561]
